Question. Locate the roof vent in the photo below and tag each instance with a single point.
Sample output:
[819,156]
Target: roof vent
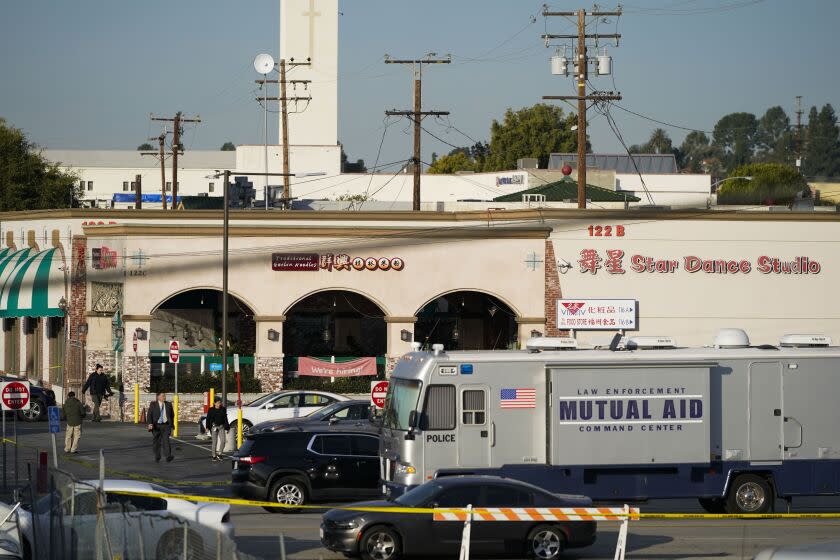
[650,342]
[536,344]
[732,338]
[805,341]
[437,349]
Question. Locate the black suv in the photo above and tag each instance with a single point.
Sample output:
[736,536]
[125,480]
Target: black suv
[293,468]
[39,400]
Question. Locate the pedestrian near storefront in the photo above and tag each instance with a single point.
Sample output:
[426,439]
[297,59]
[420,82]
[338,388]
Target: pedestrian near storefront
[73,414]
[99,387]
[217,425]
[161,418]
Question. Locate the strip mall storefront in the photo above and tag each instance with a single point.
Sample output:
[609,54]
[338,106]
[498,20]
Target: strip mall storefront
[339,294]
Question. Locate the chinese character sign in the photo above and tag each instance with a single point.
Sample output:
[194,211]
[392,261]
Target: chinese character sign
[596,314]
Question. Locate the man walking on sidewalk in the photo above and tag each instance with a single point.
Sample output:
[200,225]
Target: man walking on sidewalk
[73,413]
[99,387]
[217,425]
[161,418]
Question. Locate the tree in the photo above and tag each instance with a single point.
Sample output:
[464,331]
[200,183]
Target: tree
[455,161]
[773,138]
[734,134]
[349,167]
[145,147]
[772,183]
[822,147]
[27,180]
[660,142]
[228,147]
[531,132]
[698,155]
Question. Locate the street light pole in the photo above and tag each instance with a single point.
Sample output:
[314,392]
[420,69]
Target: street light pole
[225,259]
[226,214]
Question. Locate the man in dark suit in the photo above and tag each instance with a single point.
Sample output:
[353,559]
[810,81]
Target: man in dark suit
[161,418]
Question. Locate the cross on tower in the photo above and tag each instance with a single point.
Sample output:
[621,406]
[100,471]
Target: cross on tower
[312,14]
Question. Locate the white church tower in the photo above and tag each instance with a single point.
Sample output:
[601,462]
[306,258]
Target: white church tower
[308,30]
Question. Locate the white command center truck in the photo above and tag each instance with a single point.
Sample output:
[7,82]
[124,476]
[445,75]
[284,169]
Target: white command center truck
[734,425]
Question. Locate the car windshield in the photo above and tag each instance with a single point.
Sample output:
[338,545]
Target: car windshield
[327,411]
[399,402]
[419,496]
[264,399]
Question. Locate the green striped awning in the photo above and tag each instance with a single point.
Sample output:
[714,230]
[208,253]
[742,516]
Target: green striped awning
[31,283]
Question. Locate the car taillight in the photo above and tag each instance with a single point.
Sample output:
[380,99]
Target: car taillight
[251,460]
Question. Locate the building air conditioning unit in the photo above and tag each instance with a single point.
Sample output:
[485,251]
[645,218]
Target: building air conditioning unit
[527,163]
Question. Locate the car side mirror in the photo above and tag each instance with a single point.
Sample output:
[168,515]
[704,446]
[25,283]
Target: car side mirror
[412,419]
[333,420]
[269,406]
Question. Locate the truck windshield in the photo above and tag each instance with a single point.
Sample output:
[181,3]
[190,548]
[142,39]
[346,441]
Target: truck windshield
[401,399]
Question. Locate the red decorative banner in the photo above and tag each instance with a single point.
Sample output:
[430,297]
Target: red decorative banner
[354,368]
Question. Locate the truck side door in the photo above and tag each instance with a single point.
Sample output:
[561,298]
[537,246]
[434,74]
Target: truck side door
[475,432]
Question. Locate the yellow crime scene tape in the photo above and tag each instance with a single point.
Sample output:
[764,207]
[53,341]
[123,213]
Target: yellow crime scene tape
[476,511]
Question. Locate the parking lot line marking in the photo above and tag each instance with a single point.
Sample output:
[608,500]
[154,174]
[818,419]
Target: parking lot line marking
[203,448]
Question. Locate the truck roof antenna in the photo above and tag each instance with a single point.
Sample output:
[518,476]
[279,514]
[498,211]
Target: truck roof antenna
[614,342]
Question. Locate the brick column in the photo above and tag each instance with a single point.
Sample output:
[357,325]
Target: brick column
[268,358]
[552,292]
[396,345]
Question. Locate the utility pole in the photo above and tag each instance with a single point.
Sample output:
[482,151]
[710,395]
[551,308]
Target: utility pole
[417,113]
[284,119]
[138,192]
[161,155]
[798,132]
[177,149]
[582,74]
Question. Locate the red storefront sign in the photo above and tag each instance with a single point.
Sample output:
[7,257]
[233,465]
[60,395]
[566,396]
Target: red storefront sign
[354,368]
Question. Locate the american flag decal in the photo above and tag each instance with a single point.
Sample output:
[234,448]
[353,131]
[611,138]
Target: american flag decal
[518,398]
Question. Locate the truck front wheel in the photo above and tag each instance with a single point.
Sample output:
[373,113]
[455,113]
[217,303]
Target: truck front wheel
[750,493]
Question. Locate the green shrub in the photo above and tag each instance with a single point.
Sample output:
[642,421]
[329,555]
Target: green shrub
[772,183]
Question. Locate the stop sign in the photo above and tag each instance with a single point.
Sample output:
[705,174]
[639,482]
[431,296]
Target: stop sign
[378,390]
[174,352]
[15,395]
[134,342]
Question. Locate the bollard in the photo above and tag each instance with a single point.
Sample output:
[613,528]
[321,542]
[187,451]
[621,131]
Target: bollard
[136,403]
[42,472]
[175,407]
[239,427]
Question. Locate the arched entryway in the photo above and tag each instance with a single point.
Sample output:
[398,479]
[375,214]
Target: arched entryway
[466,320]
[331,325]
[194,319]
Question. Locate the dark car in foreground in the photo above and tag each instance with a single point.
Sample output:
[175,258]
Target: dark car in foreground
[340,415]
[390,535]
[293,468]
[39,400]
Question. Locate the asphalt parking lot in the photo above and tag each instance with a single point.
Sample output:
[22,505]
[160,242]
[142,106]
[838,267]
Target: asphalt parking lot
[127,448]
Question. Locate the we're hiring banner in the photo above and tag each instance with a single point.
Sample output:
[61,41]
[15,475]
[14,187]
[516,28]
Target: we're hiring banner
[354,368]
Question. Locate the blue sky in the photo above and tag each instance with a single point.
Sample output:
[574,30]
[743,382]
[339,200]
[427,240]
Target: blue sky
[87,73]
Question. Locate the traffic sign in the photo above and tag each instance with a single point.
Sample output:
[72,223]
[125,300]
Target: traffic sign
[54,414]
[378,390]
[236,363]
[216,366]
[174,352]
[14,395]
[134,342]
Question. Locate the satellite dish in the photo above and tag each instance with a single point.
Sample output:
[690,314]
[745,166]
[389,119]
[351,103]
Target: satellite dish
[263,63]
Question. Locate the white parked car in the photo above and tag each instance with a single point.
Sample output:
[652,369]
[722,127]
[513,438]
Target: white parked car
[281,405]
[160,524]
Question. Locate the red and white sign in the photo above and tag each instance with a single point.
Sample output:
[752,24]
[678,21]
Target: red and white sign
[616,261]
[15,395]
[174,352]
[378,390]
[134,342]
[353,368]
[596,314]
